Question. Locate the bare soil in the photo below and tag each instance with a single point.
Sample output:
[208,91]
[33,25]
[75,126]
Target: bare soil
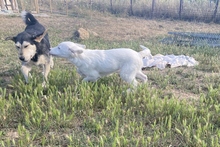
[108,27]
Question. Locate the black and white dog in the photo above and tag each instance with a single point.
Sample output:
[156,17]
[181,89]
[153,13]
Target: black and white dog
[33,46]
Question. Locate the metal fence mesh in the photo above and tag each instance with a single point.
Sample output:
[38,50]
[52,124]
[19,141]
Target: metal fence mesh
[200,10]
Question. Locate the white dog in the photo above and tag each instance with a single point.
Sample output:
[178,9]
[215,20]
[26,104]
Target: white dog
[94,64]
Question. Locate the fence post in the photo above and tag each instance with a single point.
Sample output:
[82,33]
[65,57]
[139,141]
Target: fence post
[180,9]
[90,3]
[51,9]
[215,11]
[152,8]
[12,4]
[22,4]
[67,12]
[131,7]
[2,5]
[16,5]
[111,6]
[36,6]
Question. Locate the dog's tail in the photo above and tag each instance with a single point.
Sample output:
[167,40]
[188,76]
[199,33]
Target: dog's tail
[145,52]
[28,18]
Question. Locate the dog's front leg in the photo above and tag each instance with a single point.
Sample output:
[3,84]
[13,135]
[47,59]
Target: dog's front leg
[51,62]
[80,73]
[25,69]
[46,70]
[91,75]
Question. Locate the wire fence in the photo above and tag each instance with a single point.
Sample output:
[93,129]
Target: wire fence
[194,10]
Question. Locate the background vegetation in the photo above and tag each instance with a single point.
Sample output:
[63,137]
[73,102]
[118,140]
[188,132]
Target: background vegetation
[177,107]
[202,10]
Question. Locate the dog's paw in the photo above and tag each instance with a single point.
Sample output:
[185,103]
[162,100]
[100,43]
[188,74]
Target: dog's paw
[51,65]
[44,84]
[30,76]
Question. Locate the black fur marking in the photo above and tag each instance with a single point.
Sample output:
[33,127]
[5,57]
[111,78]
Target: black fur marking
[35,58]
[30,19]
[23,36]
[44,46]
[34,28]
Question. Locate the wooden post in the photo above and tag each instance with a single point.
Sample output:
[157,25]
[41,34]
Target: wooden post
[36,6]
[16,5]
[180,9]
[152,9]
[22,4]
[12,5]
[2,5]
[51,9]
[90,2]
[131,7]
[111,6]
[6,5]
[215,11]
[67,7]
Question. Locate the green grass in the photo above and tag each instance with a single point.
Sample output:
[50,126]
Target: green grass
[177,107]
[70,112]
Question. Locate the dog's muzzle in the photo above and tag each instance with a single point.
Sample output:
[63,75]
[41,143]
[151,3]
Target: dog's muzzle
[22,58]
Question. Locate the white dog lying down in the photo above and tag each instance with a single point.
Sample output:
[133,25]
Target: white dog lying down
[93,64]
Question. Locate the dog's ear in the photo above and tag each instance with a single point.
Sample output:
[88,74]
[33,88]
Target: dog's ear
[76,50]
[40,37]
[11,38]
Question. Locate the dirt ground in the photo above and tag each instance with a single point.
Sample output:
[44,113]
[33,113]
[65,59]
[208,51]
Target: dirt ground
[109,27]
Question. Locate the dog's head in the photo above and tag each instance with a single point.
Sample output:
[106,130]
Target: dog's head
[67,50]
[26,45]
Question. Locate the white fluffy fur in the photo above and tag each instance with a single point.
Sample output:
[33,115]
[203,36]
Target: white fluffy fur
[23,15]
[94,64]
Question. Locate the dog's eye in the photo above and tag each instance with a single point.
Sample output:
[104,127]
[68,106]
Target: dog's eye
[25,46]
[17,47]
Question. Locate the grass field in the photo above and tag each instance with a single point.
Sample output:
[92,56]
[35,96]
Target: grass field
[177,107]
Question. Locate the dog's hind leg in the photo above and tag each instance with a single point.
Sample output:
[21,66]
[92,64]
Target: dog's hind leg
[128,75]
[141,76]
[130,78]
[80,73]
[25,71]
